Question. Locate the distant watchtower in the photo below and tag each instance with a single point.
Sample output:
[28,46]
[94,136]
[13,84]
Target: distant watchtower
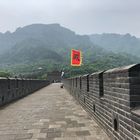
[54,76]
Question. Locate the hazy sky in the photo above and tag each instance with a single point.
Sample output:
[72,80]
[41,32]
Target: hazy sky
[82,16]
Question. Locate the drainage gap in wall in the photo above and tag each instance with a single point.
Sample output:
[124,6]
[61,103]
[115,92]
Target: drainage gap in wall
[87,83]
[13,95]
[101,85]
[84,99]
[22,83]
[8,83]
[115,124]
[76,82]
[2,99]
[80,82]
[94,109]
[16,83]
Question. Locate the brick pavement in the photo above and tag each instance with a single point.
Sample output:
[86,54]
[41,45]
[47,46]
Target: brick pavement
[48,114]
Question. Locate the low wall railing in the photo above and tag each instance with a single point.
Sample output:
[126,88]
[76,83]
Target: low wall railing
[13,88]
[112,98]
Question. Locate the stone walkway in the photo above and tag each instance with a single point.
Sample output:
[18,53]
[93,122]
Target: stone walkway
[48,114]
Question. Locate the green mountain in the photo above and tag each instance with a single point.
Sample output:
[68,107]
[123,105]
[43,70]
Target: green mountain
[117,43]
[52,35]
[49,47]
[29,51]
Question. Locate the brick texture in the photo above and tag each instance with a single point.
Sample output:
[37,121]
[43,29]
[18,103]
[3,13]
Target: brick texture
[13,89]
[112,97]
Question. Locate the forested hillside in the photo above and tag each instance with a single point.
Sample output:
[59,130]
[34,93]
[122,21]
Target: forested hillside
[48,46]
[117,43]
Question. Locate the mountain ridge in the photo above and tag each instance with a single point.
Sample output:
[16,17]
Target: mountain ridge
[117,43]
[49,46]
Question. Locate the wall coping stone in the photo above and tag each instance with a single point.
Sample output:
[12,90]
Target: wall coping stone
[85,75]
[3,78]
[97,73]
[136,111]
[121,69]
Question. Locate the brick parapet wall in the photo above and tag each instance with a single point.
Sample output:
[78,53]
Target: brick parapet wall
[112,98]
[13,88]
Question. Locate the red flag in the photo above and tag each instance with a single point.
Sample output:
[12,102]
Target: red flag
[76,59]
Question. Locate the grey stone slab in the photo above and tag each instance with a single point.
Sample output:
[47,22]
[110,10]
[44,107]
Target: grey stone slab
[82,133]
[50,113]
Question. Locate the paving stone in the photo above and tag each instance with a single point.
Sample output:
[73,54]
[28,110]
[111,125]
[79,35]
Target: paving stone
[80,125]
[61,122]
[71,138]
[53,134]
[34,131]
[7,137]
[53,130]
[69,134]
[44,130]
[44,120]
[48,114]
[54,126]
[23,136]
[39,135]
[82,133]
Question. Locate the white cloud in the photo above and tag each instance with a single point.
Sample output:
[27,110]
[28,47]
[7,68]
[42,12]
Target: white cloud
[83,16]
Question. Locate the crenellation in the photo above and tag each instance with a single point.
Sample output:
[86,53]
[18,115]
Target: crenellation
[113,99]
[13,88]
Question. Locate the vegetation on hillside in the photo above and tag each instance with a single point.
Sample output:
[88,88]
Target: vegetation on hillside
[4,74]
[117,43]
[48,47]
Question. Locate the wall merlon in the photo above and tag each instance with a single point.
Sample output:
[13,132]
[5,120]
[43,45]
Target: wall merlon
[14,88]
[113,100]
